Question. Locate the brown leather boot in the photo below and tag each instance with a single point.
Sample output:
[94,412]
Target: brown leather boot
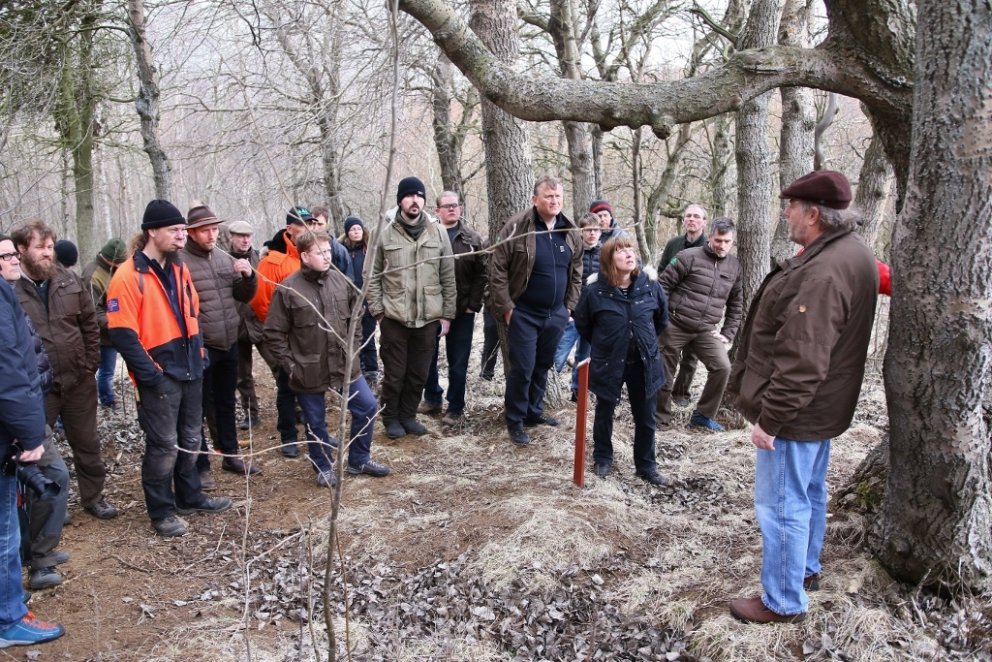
[237,466]
[753,610]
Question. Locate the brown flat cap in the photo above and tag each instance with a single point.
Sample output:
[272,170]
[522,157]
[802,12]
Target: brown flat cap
[199,216]
[239,227]
[824,187]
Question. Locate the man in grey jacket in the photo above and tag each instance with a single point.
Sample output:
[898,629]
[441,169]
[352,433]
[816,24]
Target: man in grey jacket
[704,287]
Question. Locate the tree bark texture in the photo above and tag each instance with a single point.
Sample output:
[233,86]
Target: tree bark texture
[937,515]
[147,101]
[721,163]
[754,160]
[447,139]
[872,196]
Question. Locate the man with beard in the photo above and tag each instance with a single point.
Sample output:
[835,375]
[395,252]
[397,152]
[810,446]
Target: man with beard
[412,294]
[535,279]
[222,282]
[62,312]
[153,314]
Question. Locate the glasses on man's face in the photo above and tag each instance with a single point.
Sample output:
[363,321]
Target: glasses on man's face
[451,207]
[7,257]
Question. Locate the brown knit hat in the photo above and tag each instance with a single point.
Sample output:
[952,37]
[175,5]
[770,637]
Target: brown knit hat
[824,187]
[199,215]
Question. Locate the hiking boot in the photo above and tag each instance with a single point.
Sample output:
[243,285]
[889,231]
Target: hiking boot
[369,468]
[207,482]
[249,422]
[413,426]
[209,505]
[394,430]
[697,420]
[603,469]
[428,407]
[238,466]
[452,420]
[30,631]
[654,478]
[59,557]
[518,436]
[543,419]
[753,610]
[169,527]
[100,509]
[289,449]
[327,478]
[811,583]
[40,578]
[681,400]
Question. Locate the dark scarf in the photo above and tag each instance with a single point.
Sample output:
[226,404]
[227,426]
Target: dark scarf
[413,228]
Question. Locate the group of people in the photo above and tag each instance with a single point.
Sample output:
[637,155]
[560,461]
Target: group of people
[189,301]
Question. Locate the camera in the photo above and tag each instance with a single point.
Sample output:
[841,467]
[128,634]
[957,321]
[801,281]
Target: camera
[29,474]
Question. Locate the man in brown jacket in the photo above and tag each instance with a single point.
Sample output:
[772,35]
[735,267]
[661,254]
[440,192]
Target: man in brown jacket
[62,312]
[706,303]
[306,331]
[796,377]
[222,282]
[535,279]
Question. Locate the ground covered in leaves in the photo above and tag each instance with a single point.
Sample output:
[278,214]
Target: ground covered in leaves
[476,550]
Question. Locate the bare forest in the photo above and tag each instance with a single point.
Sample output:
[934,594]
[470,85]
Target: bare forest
[473,549]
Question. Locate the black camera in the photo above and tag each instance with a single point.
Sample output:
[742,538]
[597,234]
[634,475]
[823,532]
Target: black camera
[29,474]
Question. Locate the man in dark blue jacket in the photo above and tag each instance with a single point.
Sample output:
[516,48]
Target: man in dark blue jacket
[22,420]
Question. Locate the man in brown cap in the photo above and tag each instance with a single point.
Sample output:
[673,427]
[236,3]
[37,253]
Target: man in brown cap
[796,378]
[97,275]
[221,281]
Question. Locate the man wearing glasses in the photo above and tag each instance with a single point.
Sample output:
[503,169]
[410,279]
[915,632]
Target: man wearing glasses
[470,281]
[153,315]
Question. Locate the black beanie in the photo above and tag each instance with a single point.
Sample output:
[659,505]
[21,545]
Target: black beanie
[66,253]
[351,222]
[161,214]
[410,185]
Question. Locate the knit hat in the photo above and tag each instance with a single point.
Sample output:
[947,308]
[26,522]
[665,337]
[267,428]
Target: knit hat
[351,222]
[114,251]
[298,215]
[823,187]
[161,214]
[66,253]
[408,186]
[600,205]
[200,215]
[240,227]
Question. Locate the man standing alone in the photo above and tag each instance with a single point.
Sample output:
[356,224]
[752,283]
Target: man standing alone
[535,279]
[412,294]
[796,378]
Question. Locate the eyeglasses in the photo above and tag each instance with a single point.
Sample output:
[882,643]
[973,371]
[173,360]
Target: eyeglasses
[449,207]
[7,257]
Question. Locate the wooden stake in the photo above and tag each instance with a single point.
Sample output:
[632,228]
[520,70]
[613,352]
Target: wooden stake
[579,473]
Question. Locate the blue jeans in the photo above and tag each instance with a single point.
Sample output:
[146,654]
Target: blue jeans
[105,376]
[12,607]
[362,406]
[568,340]
[458,346]
[790,499]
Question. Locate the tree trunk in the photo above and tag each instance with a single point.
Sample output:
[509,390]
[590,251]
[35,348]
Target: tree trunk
[873,194]
[147,101]
[446,139]
[720,166]
[937,513]
[754,159]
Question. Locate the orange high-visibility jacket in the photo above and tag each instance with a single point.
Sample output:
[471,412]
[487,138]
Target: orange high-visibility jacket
[154,337]
[273,269]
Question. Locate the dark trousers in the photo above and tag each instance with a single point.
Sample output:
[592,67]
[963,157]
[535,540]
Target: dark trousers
[220,388]
[406,359]
[687,370]
[285,408]
[490,344]
[77,407]
[458,348]
[246,379]
[105,376]
[171,416]
[642,409]
[532,340]
[368,357]
[361,405]
[46,517]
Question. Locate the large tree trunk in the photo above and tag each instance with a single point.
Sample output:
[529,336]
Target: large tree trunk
[447,141]
[754,159]
[937,515]
[147,101]
[873,194]
[720,166]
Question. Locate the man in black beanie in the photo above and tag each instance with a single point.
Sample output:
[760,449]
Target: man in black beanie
[66,253]
[412,295]
[156,328]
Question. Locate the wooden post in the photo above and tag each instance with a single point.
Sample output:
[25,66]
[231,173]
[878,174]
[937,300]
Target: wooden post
[579,473]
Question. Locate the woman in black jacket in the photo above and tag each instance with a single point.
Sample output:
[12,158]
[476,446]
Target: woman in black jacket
[622,313]
[356,242]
